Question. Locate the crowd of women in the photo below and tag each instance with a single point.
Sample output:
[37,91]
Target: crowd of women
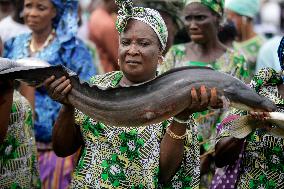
[47,143]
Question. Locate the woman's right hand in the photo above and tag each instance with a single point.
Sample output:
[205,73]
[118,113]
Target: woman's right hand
[58,89]
[261,119]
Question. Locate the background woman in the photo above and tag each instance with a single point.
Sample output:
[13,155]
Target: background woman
[242,13]
[257,160]
[54,25]
[202,20]
[164,154]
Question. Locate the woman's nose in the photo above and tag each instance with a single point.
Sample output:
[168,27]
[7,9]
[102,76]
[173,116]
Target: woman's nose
[193,25]
[32,12]
[133,49]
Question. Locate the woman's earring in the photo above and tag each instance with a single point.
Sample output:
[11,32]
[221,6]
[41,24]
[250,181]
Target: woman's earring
[118,62]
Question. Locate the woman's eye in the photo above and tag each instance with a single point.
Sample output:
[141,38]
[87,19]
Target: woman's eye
[199,18]
[188,18]
[28,5]
[124,43]
[41,8]
[144,44]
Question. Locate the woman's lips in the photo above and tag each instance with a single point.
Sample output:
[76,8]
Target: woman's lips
[132,62]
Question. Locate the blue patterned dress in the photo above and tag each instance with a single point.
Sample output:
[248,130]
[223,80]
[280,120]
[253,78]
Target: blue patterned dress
[72,54]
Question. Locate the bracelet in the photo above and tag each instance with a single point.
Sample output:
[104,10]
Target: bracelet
[181,121]
[174,136]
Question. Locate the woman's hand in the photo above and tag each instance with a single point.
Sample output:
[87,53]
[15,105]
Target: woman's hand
[58,89]
[261,118]
[202,103]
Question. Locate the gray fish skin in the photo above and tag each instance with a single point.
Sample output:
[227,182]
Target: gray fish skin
[151,102]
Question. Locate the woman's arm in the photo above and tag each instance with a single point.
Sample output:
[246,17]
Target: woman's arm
[171,153]
[66,136]
[227,151]
[6,100]
[29,93]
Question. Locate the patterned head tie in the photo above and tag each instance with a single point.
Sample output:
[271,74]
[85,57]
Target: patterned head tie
[216,6]
[149,16]
[66,21]
[281,53]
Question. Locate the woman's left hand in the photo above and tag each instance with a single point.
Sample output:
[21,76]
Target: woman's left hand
[199,104]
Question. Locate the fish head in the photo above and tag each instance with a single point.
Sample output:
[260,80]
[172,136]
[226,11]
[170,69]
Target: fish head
[243,97]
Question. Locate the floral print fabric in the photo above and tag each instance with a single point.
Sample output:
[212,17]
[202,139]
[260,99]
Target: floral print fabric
[18,157]
[115,157]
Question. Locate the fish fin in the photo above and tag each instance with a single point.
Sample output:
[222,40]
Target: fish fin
[241,127]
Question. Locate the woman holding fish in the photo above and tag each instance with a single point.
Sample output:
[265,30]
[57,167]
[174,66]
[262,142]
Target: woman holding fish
[160,155]
[53,39]
[250,148]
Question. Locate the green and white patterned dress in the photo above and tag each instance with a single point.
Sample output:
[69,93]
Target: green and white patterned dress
[18,157]
[115,157]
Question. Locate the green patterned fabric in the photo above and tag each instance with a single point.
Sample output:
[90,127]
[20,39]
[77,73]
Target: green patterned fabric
[120,157]
[250,49]
[215,5]
[149,16]
[18,155]
[262,162]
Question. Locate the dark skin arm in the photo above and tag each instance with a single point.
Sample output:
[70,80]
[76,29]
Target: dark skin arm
[66,136]
[172,150]
[6,100]
[227,150]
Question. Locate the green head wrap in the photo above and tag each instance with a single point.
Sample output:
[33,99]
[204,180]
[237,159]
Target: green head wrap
[216,6]
[149,16]
[247,8]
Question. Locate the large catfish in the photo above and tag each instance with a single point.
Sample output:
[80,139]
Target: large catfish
[144,104]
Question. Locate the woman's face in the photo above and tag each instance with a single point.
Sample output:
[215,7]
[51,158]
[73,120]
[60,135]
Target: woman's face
[38,14]
[201,22]
[236,18]
[139,52]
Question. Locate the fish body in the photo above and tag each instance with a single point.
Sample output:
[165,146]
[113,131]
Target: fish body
[150,102]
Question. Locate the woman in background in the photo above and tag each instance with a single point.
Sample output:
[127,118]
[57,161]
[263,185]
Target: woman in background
[53,39]
[202,20]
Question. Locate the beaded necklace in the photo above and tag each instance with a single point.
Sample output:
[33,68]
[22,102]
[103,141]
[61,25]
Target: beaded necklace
[50,37]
